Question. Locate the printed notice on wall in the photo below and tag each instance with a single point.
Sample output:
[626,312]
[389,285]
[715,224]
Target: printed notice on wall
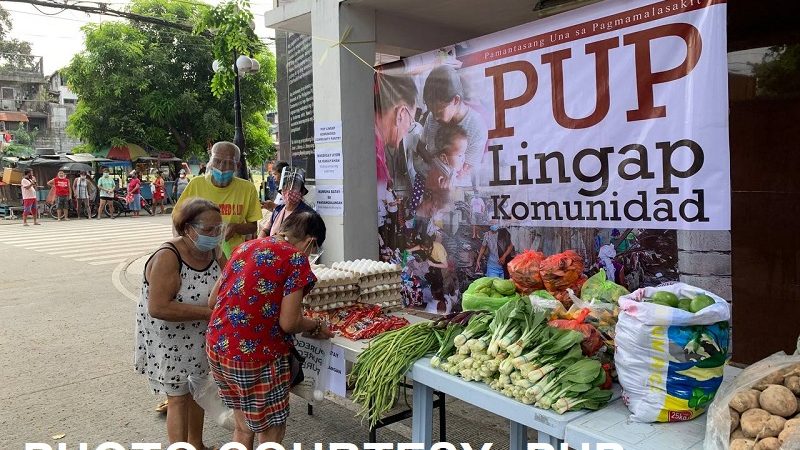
[330,200]
[329,163]
[325,132]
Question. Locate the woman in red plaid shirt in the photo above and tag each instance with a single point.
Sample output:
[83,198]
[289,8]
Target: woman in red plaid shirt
[257,307]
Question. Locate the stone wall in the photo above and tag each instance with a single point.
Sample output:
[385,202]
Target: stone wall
[704,260]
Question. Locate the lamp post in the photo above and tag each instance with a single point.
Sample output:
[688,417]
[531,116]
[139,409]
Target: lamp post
[242,65]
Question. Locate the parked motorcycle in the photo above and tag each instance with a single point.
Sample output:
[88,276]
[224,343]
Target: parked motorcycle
[122,206]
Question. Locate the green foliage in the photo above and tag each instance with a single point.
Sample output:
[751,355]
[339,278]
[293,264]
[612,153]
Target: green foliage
[779,73]
[23,136]
[149,85]
[18,150]
[84,148]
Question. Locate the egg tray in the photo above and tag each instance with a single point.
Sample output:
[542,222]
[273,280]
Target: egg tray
[366,267]
[382,288]
[331,298]
[340,289]
[327,277]
[330,306]
[371,282]
[376,298]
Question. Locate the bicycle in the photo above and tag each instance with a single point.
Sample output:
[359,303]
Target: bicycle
[73,211]
[121,205]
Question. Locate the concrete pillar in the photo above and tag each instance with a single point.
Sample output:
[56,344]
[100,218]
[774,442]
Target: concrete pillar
[343,87]
[704,260]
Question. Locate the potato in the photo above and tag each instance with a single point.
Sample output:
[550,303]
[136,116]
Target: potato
[734,419]
[792,423]
[742,444]
[754,421]
[773,427]
[778,400]
[738,434]
[792,371]
[745,400]
[773,378]
[793,384]
[770,443]
[789,433]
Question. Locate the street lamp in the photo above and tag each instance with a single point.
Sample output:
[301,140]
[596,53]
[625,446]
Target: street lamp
[242,65]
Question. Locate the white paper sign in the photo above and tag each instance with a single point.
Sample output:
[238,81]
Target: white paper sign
[328,161]
[337,383]
[330,200]
[325,132]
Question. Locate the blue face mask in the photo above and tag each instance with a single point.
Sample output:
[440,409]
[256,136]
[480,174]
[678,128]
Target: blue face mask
[494,227]
[207,243]
[220,177]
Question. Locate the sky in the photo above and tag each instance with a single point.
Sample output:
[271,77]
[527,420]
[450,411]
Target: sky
[57,36]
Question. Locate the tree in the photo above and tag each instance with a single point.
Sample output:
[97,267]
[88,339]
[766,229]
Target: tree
[147,84]
[14,54]
[779,72]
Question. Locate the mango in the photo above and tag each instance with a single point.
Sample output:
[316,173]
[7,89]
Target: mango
[666,297]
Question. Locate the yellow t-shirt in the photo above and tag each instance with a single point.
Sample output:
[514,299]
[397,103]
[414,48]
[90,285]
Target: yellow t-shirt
[438,253]
[238,203]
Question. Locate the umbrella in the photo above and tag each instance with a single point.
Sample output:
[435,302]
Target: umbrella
[127,152]
[75,167]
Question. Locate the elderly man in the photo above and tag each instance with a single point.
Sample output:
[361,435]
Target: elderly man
[237,198]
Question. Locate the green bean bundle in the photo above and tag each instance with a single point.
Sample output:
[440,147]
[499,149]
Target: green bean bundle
[381,368]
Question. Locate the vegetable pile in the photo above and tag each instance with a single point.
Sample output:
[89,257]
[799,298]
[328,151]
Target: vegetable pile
[558,274]
[516,353]
[767,416]
[381,368]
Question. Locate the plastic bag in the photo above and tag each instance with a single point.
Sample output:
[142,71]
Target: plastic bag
[561,271]
[475,298]
[718,424]
[205,392]
[316,354]
[592,339]
[543,301]
[670,361]
[524,271]
[599,289]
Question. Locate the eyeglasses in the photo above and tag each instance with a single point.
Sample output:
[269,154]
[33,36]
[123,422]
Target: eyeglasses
[215,230]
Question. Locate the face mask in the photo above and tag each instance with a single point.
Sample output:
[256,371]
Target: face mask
[292,198]
[183,175]
[494,227]
[83,176]
[62,176]
[206,243]
[105,175]
[314,256]
[220,177]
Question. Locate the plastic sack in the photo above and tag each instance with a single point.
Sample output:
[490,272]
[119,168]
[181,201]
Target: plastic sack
[592,339]
[561,271]
[475,298]
[718,424]
[543,301]
[524,271]
[599,289]
[670,361]
[316,354]
[205,392]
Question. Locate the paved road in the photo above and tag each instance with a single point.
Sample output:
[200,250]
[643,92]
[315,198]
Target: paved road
[66,344]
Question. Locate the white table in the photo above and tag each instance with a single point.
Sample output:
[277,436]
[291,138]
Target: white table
[611,424]
[550,426]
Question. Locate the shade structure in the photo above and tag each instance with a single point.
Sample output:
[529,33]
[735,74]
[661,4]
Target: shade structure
[127,152]
[75,167]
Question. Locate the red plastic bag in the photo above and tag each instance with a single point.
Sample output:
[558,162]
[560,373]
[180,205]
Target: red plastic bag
[524,271]
[592,339]
[561,271]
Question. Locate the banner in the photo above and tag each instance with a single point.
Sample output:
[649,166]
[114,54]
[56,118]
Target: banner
[609,122]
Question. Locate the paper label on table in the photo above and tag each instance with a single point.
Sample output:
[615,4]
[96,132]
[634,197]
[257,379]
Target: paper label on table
[325,132]
[336,372]
[330,200]
[328,162]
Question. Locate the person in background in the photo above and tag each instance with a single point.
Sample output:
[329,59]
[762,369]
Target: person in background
[505,248]
[202,170]
[277,170]
[450,150]
[84,190]
[237,198]
[293,193]
[106,186]
[135,193]
[63,191]
[478,207]
[180,184]
[444,95]
[248,343]
[173,312]
[158,193]
[490,249]
[29,200]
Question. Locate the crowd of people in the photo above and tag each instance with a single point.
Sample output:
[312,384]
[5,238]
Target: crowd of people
[215,303]
[79,195]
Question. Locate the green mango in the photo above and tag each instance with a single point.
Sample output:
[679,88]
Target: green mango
[661,302]
[699,302]
[665,297]
[683,303]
